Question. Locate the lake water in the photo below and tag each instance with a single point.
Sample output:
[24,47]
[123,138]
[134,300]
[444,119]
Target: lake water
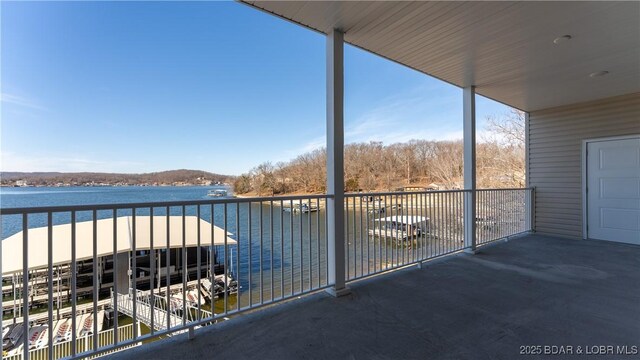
[290,247]
[278,253]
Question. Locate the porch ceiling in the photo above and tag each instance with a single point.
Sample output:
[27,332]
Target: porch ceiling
[506,49]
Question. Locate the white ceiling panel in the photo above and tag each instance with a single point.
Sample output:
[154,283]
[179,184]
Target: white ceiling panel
[505,49]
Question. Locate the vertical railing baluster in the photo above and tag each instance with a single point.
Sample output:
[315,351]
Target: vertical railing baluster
[481,214]
[395,213]
[168,268]
[291,278]
[133,274]
[74,275]
[454,215]
[382,237]
[414,237]
[261,230]
[25,284]
[238,238]
[443,218]
[420,215]
[271,269]
[452,233]
[384,234]
[114,216]
[452,238]
[495,216]
[491,210]
[513,212]
[394,227]
[250,253]
[281,248]
[440,225]
[361,238]
[435,246]
[369,240]
[402,216]
[459,216]
[355,241]
[212,262]
[427,225]
[326,239]
[423,222]
[50,282]
[318,241]
[199,263]
[301,248]
[152,274]
[226,262]
[346,233]
[185,268]
[309,216]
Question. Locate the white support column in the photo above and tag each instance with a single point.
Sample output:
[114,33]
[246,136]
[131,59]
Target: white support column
[335,163]
[469,114]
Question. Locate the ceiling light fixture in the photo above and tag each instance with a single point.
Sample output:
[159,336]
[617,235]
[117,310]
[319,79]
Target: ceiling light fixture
[598,74]
[562,39]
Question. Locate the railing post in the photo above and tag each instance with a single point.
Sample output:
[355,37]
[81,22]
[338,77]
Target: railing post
[469,114]
[335,164]
[531,209]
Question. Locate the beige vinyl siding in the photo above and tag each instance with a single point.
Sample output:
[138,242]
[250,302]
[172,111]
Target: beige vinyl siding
[555,156]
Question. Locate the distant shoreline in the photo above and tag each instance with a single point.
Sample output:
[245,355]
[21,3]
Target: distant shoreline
[111,185]
[182,177]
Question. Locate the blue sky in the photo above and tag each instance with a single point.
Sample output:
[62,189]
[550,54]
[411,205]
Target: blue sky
[216,86]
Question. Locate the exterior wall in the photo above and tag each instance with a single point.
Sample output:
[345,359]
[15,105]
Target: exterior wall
[554,156]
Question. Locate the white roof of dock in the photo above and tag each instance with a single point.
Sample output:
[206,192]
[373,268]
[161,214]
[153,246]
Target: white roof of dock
[61,237]
[404,219]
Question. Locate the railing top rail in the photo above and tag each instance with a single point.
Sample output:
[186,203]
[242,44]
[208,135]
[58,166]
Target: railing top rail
[120,206]
[504,189]
[388,193]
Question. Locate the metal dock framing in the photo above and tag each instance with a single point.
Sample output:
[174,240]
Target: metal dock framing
[160,315]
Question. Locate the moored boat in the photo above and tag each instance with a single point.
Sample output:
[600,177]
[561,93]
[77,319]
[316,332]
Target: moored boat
[62,331]
[217,193]
[399,227]
[38,337]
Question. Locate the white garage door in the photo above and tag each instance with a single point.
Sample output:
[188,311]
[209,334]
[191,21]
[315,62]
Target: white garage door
[613,190]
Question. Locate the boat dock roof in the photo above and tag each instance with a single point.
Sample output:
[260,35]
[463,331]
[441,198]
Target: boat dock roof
[61,238]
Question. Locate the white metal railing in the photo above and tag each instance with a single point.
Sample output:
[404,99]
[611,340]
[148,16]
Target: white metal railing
[501,213]
[385,231]
[188,264]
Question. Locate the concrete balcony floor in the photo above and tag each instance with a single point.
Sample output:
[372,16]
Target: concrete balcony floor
[534,290]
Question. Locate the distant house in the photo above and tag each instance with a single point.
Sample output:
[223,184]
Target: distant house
[21,183]
[414,188]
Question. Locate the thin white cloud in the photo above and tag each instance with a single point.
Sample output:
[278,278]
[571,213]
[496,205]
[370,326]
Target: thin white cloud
[27,163]
[421,113]
[21,101]
[418,113]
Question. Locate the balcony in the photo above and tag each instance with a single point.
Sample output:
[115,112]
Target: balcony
[99,278]
[413,274]
[500,303]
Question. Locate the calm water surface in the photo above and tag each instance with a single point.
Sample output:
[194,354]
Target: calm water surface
[288,249]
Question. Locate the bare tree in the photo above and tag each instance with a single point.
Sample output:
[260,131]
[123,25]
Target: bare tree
[373,165]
